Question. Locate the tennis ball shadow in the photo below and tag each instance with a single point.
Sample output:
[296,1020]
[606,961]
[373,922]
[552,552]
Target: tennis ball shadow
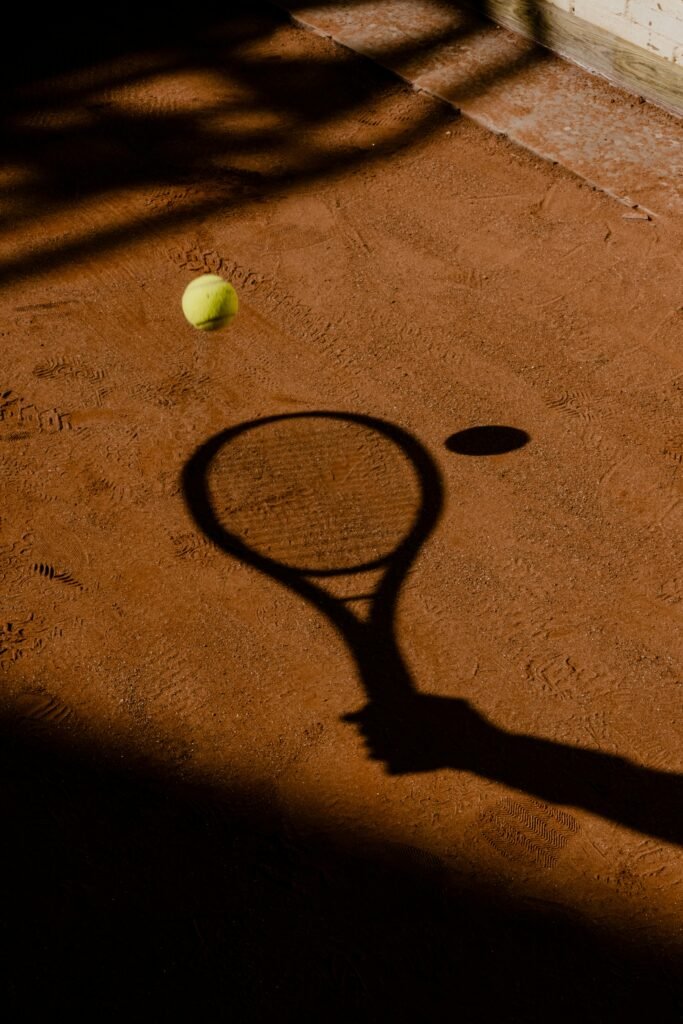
[487,440]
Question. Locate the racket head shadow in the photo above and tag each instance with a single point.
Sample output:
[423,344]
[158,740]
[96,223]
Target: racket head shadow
[315,494]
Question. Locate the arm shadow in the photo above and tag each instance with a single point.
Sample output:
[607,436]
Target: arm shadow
[428,733]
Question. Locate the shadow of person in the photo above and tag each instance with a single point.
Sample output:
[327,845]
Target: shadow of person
[427,732]
[315,499]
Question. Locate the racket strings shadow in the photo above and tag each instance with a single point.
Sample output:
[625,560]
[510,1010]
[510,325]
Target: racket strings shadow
[410,731]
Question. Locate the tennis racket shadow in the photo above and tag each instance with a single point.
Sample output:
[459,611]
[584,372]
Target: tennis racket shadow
[336,506]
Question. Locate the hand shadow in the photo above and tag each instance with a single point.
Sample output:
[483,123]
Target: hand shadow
[426,732]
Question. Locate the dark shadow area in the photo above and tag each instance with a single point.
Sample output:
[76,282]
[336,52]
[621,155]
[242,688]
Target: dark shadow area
[71,139]
[55,39]
[132,894]
[78,151]
[487,440]
[51,39]
[407,730]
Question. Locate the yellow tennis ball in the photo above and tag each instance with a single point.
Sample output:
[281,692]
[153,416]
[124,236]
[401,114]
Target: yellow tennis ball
[209,302]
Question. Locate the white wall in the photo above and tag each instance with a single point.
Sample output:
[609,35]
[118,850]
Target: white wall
[655,25]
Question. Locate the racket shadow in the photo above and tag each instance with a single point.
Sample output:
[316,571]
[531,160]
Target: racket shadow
[371,638]
[407,730]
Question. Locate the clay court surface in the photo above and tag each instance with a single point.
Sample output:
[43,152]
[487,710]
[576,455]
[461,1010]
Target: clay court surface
[188,816]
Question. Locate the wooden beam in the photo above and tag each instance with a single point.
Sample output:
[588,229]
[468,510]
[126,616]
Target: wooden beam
[632,67]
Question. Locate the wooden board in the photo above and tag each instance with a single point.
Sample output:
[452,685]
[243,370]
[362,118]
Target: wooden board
[627,65]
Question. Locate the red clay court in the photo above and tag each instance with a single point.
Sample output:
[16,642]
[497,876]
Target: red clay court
[340,649]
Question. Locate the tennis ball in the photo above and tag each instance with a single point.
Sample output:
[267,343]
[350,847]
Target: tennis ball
[209,302]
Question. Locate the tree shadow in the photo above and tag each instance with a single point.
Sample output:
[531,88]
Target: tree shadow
[95,116]
[452,44]
[407,730]
[130,892]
